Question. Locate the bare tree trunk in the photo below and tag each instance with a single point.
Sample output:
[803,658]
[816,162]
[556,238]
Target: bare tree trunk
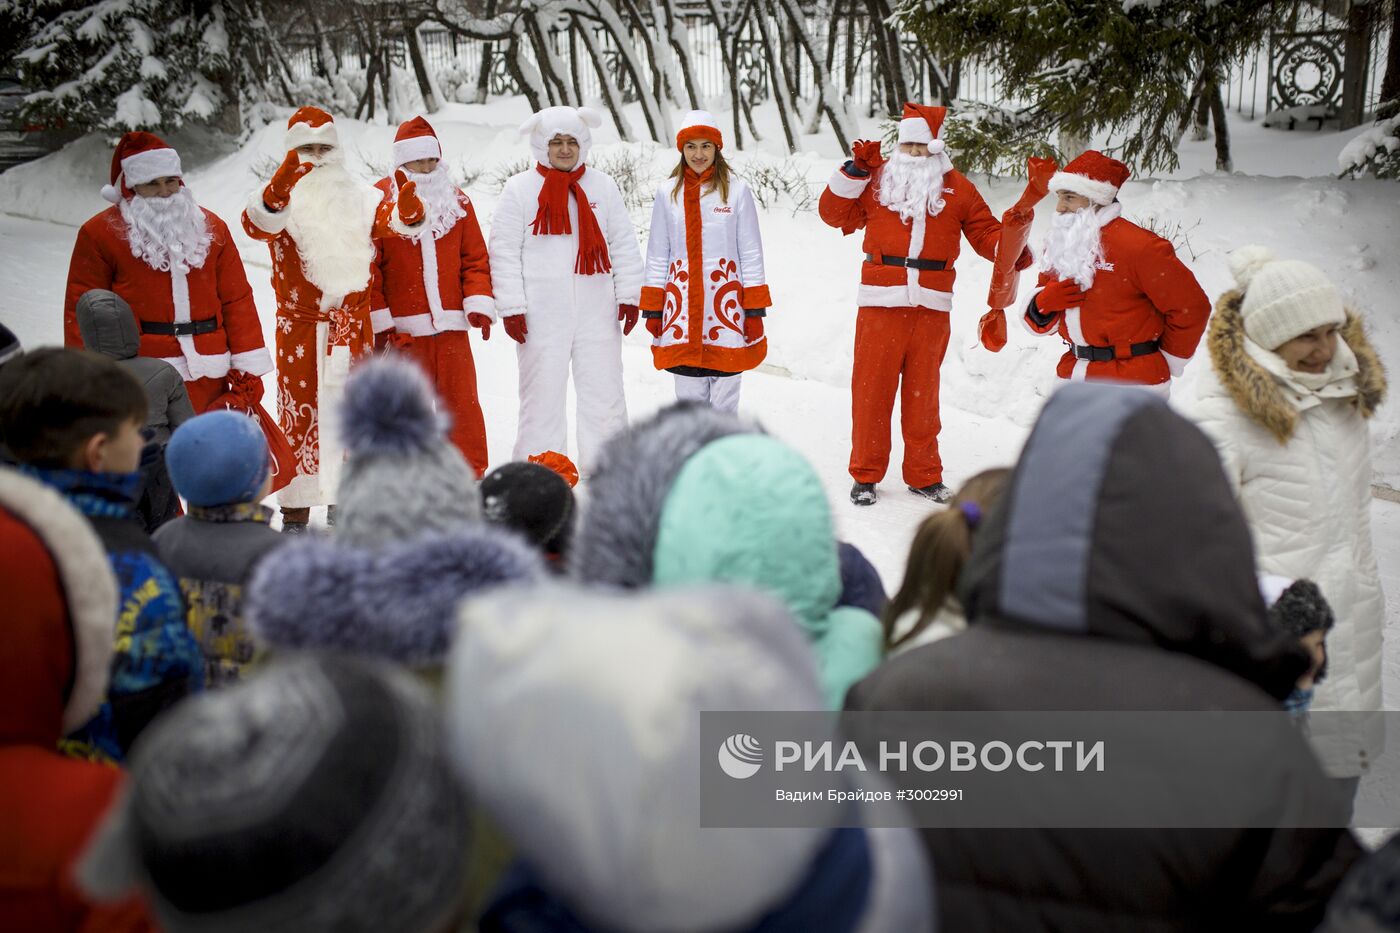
[679,37]
[611,96]
[420,70]
[779,91]
[731,68]
[547,62]
[1223,162]
[1390,83]
[826,93]
[573,60]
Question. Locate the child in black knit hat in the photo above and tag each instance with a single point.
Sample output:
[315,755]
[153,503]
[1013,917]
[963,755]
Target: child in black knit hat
[1299,608]
[534,500]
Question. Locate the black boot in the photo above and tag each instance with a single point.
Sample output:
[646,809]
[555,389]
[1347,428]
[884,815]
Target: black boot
[294,521]
[863,494]
[936,491]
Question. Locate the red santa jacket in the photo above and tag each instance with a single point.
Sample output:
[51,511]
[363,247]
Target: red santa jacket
[429,285]
[218,289]
[1141,293]
[850,203]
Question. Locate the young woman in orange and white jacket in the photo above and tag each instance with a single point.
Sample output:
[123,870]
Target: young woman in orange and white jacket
[705,296]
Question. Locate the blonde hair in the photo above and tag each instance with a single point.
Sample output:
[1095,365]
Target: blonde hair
[719,180]
[936,557]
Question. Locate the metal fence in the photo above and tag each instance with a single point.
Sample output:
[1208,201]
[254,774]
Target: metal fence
[1252,86]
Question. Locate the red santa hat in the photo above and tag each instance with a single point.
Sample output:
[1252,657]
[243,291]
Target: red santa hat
[311,126]
[1093,175]
[699,124]
[921,123]
[416,140]
[139,158]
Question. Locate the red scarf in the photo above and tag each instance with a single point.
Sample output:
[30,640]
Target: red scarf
[553,217]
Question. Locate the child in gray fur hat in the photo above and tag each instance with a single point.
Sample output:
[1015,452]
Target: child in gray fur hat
[409,542]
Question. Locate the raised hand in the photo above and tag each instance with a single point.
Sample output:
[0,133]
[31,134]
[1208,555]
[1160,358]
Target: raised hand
[278,192]
[411,209]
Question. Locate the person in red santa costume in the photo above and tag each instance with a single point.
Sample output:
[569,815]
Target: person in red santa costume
[320,223]
[1128,308]
[432,285]
[915,209]
[177,266]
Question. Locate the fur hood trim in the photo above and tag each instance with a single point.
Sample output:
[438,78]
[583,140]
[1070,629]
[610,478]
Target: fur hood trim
[1258,394]
[397,603]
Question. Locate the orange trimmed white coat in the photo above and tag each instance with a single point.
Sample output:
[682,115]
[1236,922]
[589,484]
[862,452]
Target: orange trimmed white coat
[702,315]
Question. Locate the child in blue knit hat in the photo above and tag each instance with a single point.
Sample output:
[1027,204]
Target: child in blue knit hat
[220,466]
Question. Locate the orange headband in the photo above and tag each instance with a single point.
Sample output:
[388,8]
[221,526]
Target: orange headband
[699,132]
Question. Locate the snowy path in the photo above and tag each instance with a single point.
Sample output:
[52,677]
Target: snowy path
[812,416]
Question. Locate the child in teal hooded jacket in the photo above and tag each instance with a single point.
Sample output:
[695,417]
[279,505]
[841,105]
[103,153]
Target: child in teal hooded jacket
[695,496]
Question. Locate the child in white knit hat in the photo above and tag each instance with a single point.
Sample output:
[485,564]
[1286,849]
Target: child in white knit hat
[1294,380]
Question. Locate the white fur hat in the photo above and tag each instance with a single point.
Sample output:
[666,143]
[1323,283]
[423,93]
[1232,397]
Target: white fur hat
[577,122]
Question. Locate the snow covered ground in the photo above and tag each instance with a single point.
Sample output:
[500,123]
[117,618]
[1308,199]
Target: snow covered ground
[1349,228]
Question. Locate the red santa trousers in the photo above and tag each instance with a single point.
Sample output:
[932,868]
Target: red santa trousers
[894,344]
[447,359]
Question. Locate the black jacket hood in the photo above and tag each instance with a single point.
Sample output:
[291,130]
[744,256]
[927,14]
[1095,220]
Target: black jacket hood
[1119,523]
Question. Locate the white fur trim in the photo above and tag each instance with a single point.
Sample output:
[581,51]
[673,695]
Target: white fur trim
[1100,192]
[111,193]
[147,166]
[304,134]
[1176,364]
[381,319]
[415,148]
[426,325]
[404,230]
[902,296]
[427,248]
[1109,213]
[180,366]
[89,588]
[480,304]
[844,186]
[915,130]
[253,362]
[302,492]
[1025,319]
[267,221]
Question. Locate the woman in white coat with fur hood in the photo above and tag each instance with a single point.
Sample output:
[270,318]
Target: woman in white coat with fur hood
[567,277]
[1294,380]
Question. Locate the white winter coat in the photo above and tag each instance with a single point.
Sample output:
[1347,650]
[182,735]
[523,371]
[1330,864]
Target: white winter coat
[536,273]
[1301,462]
[705,328]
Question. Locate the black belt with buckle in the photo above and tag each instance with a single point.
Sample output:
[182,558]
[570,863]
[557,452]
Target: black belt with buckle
[1108,354]
[184,329]
[926,265]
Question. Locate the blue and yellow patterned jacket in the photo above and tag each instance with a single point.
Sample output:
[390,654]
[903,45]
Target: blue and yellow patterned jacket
[157,661]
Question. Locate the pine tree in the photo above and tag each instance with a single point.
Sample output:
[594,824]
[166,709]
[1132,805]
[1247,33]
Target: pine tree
[127,64]
[1136,68]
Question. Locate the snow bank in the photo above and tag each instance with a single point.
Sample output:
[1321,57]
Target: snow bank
[1349,228]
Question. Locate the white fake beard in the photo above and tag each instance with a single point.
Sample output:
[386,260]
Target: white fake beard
[439,196]
[1074,247]
[911,184]
[166,233]
[332,223]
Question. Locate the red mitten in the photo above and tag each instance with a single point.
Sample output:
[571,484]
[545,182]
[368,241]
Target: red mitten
[482,322]
[753,327]
[653,325]
[866,156]
[1039,172]
[411,209]
[627,314]
[1023,261]
[279,191]
[991,330]
[1059,295]
[515,327]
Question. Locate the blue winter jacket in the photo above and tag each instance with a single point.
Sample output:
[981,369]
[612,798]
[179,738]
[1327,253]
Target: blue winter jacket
[157,661]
